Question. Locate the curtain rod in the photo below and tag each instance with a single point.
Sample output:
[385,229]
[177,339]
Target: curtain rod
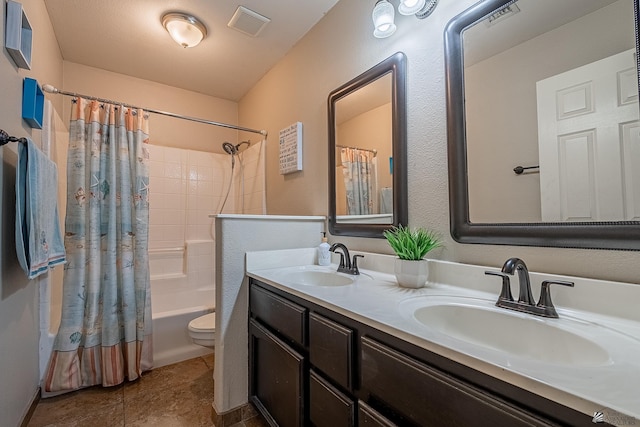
[54,90]
[375,152]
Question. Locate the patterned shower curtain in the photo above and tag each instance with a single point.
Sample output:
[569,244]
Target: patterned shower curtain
[105,331]
[360,180]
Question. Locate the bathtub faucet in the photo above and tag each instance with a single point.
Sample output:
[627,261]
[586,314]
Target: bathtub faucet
[346,266]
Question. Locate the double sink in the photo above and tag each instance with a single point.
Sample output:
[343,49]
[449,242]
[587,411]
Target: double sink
[477,321]
[568,353]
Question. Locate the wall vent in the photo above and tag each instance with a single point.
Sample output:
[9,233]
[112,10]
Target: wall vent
[248,22]
[502,14]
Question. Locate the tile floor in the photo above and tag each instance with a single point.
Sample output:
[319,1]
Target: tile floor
[177,395]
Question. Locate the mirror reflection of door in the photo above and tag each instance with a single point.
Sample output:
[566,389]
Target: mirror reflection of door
[505,56]
[363,178]
[589,142]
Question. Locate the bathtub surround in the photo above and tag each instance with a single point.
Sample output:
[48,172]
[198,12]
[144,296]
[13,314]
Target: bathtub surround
[235,235]
[182,288]
[187,186]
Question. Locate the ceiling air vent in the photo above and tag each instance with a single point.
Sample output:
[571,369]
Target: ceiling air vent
[502,14]
[247,21]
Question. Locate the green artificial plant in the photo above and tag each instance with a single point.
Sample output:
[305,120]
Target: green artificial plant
[412,244]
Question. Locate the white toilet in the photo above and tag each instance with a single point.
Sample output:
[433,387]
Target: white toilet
[202,330]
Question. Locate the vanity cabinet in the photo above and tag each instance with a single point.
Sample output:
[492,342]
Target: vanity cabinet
[311,366]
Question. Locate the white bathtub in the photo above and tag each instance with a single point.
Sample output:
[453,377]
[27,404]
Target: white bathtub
[176,299]
[174,305]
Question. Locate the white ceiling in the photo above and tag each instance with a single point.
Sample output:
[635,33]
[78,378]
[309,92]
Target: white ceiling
[127,37]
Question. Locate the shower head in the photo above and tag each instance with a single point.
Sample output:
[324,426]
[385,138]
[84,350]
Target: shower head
[229,148]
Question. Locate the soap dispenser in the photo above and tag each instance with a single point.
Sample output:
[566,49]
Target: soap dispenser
[324,256]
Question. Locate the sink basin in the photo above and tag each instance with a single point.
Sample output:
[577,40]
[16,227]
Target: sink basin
[319,278]
[561,341]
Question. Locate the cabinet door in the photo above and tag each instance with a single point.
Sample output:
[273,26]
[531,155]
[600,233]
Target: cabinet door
[276,384]
[328,407]
[331,349]
[419,394]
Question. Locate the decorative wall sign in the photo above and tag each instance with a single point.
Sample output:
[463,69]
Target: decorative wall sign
[18,35]
[291,149]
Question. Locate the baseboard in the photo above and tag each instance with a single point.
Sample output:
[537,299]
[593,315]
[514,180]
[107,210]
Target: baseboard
[32,408]
[233,416]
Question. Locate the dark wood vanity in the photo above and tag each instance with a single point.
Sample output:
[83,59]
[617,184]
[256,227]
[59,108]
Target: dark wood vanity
[311,366]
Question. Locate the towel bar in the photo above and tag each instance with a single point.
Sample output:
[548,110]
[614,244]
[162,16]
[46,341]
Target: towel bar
[5,138]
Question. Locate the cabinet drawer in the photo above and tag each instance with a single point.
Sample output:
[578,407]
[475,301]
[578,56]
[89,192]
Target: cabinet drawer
[422,395]
[284,316]
[369,417]
[331,349]
[328,407]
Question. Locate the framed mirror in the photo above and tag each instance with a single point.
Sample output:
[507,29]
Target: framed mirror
[543,123]
[368,151]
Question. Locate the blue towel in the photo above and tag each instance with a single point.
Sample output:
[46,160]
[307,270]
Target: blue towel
[39,243]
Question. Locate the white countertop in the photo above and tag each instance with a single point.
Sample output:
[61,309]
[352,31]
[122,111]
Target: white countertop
[375,299]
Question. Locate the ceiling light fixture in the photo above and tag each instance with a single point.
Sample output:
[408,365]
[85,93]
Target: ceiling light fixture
[383,16]
[184,29]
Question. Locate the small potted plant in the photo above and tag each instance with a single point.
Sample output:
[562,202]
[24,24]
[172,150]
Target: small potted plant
[411,246]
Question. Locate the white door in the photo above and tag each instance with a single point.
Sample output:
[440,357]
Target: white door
[589,142]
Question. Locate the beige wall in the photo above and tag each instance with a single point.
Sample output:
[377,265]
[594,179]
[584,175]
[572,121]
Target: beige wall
[166,131]
[341,47]
[19,319]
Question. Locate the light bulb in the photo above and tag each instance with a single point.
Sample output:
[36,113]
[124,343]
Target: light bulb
[410,7]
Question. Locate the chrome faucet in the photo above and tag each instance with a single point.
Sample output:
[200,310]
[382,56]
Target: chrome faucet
[525,302]
[346,266]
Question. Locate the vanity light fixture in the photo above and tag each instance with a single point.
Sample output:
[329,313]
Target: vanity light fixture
[184,29]
[383,14]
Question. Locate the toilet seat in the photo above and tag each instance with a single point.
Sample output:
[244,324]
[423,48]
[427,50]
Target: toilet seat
[206,323]
[203,330]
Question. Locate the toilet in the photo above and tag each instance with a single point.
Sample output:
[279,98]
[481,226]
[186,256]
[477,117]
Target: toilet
[202,330]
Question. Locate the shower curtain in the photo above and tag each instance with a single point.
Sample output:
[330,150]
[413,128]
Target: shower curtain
[360,180]
[105,331]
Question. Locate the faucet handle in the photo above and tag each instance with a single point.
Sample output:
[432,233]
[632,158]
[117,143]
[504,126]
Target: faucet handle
[505,293]
[545,295]
[354,264]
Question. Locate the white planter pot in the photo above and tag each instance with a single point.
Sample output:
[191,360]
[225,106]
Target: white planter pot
[411,274]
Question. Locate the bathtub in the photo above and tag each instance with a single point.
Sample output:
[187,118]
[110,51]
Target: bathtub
[171,313]
[173,307]
[182,288]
